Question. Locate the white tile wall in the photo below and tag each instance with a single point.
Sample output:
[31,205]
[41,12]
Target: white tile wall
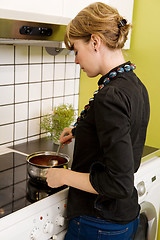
[7,94]
[34,128]
[69,87]
[35,54]
[6,113]
[76,102]
[6,55]
[21,55]
[58,88]
[20,130]
[47,58]
[47,89]
[70,70]
[60,58]
[57,101]
[21,74]
[6,133]
[21,93]
[59,71]
[6,75]
[34,109]
[21,111]
[32,83]
[34,91]
[76,86]
[47,105]
[69,99]
[48,70]
[35,73]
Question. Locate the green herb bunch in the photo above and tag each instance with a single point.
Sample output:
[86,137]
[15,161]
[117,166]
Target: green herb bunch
[54,123]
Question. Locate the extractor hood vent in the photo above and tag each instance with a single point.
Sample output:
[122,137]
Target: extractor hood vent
[18,32]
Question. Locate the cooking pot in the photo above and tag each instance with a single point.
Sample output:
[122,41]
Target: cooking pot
[38,164]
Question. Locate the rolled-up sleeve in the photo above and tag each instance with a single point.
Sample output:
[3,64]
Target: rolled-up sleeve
[112,175]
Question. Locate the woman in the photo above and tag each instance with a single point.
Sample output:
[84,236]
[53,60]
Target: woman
[109,135]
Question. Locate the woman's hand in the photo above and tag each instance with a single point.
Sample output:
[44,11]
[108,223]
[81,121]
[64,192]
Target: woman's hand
[66,136]
[55,177]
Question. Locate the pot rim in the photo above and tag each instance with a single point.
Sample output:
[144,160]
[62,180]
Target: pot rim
[30,156]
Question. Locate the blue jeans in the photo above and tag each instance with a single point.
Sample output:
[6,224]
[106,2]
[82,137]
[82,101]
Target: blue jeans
[92,228]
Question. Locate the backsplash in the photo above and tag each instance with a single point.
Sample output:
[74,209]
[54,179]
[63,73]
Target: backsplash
[32,83]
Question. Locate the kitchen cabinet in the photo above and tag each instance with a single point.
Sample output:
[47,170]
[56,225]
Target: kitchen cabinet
[63,8]
[47,7]
[72,7]
[57,11]
[48,11]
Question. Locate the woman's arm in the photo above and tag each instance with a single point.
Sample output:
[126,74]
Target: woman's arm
[57,177]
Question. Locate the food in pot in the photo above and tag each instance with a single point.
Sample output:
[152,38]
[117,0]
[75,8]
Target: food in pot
[48,160]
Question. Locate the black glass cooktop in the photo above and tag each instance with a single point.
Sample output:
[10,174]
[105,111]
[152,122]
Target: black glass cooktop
[13,179]
[17,190]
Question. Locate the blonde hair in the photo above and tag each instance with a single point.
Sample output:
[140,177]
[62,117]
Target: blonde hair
[101,19]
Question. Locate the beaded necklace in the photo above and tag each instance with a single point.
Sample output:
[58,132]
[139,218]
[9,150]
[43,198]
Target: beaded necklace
[105,80]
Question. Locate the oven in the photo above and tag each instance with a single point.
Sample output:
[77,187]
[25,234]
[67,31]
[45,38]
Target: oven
[29,210]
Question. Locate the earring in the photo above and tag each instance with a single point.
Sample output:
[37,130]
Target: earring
[95,50]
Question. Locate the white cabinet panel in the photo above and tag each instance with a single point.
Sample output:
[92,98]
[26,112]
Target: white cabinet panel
[72,7]
[46,7]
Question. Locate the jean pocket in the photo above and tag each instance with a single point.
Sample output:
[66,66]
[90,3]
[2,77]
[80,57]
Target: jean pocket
[113,235]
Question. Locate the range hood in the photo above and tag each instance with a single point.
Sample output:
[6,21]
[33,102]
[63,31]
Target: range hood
[18,28]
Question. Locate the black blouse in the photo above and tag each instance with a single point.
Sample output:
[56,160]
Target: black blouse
[109,143]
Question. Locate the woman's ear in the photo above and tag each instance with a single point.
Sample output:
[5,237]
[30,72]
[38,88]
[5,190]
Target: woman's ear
[96,42]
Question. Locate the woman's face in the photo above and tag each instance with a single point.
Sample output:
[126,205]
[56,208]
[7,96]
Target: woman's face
[86,57]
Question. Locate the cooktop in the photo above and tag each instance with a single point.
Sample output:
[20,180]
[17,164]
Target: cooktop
[17,190]
[13,183]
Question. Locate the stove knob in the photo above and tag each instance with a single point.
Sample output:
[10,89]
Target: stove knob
[60,221]
[54,237]
[141,188]
[35,233]
[48,227]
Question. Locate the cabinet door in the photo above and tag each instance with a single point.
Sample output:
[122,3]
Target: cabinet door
[46,7]
[72,7]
